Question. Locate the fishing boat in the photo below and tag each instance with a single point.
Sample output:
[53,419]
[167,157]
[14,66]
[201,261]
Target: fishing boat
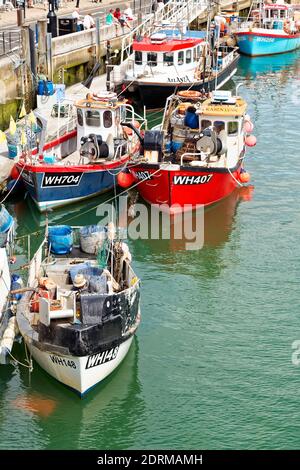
[172,59]
[196,157]
[80,318]
[84,162]
[271,28]
[8,324]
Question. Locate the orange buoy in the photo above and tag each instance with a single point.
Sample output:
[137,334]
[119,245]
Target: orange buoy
[125,179]
[245,177]
[14,174]
[250,140]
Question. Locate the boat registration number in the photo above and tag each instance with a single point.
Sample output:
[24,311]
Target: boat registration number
[200,179]
[102,357]
[61,361]
[53,180]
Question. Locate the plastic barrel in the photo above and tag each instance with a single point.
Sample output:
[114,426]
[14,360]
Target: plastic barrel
[92,238]
[49,88]
[41,87]
[178,139]
[50,159]
[60,239]
[16,283]
[12,151]
[6,220]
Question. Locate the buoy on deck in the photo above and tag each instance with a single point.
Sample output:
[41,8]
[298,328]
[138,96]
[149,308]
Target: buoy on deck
[125,179]
[250,140]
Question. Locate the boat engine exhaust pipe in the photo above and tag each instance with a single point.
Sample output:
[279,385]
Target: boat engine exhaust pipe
[135,130]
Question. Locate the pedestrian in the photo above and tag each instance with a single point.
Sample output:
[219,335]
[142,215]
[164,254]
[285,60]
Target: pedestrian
[88,22]
[123,21]
[77,16]
[154,6]
[128,12]
[117,13]
[109,20]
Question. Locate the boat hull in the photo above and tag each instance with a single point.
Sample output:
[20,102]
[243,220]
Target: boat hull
[51,187]
[258,44]
[81,373]
[154,95]
[181,189]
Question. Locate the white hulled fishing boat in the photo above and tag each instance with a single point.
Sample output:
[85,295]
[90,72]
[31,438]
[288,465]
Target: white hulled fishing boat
[80,318]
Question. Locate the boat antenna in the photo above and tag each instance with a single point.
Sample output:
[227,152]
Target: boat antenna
[108,65]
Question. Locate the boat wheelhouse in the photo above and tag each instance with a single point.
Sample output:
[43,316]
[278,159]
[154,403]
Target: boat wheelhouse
[196,158]
[169,59]
[270,29]
[84,162]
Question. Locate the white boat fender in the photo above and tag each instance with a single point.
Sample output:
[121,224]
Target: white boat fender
[7,340]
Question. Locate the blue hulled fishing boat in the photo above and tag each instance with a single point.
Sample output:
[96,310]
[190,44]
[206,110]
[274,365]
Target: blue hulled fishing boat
[271,28]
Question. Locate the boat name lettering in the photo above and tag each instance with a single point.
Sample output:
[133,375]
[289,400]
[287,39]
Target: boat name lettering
[179,79]
[264,39]
[102,357]
[143,175]
[201,179]
[61,179]
[62,361]
[27,177]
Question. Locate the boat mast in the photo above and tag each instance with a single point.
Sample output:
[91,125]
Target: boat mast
[207,40]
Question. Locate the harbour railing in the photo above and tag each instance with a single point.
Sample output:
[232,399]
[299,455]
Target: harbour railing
[10,41]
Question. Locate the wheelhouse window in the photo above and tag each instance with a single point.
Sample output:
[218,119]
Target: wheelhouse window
[92,118]
[107,119]
[168,58]
[205,123]
[219,126]
[80,117]
[138,57]
[180,58]
[152,59]
[233,128]
[188,56]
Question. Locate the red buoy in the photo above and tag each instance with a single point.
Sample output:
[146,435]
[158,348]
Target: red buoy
[125,179]
[14,174]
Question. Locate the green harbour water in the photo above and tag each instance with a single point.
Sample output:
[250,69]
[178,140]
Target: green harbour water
[211,365]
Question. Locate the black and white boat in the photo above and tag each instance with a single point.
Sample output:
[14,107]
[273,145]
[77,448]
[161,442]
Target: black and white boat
[84,309]
[170,59]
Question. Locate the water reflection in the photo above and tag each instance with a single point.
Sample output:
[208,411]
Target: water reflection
[65,421]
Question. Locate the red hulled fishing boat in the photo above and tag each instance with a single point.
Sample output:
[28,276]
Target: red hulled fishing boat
[196,157]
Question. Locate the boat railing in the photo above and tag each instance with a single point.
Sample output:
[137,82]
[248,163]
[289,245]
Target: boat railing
[134,116]
[119,149]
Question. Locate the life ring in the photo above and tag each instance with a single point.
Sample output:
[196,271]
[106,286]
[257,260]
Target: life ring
[189,94]
[103,96]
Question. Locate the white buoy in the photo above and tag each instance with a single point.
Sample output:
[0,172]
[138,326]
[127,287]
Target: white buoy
[7,340]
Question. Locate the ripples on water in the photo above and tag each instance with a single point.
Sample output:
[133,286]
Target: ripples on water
[211,364]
